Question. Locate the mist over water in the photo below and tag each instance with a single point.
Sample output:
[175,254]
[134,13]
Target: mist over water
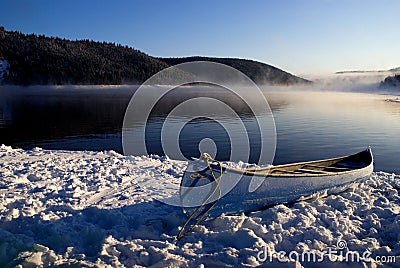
[332,117]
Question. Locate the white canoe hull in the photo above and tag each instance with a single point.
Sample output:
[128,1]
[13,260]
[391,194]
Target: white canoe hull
[238,193]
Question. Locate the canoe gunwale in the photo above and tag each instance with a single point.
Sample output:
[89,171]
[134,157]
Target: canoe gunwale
[266,172]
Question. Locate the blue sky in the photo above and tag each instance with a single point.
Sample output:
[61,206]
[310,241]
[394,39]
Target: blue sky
[302,37]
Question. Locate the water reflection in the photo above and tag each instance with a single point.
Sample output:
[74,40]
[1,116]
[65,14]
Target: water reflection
[310,125]
[327,124]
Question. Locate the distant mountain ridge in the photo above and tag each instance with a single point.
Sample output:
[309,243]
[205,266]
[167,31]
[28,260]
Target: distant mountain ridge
[37,59]
[394,70]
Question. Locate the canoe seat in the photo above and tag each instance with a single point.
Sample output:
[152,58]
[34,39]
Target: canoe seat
[330,167]
[286,171]
[315,171]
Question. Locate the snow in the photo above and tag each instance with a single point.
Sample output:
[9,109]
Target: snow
[88,209]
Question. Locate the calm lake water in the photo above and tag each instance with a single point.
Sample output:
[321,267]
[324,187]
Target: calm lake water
[310,124]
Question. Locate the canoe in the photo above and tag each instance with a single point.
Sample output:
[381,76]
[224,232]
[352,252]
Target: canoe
[210,188]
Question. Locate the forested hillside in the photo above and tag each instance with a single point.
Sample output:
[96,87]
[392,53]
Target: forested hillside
[391,81]
[37,59]
[51,60]
[259,72]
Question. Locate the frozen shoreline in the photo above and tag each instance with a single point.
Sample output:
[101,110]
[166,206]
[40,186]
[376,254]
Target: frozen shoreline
[86,208]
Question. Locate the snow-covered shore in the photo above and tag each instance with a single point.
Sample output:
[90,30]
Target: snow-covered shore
[87,209]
